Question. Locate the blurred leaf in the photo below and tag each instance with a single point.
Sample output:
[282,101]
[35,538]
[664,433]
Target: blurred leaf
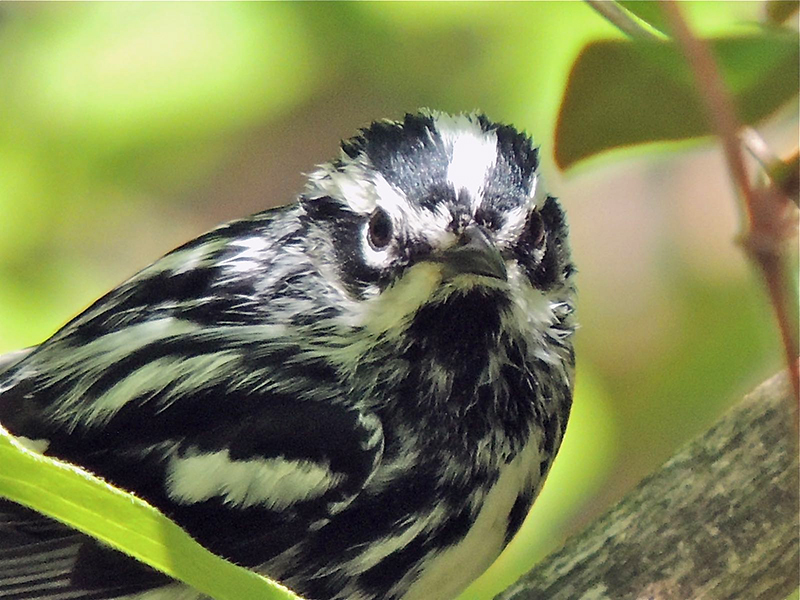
[779,11]
[124,522]
[621,93]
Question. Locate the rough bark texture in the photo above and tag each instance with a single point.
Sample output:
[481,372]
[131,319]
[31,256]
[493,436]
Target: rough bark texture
[718,521]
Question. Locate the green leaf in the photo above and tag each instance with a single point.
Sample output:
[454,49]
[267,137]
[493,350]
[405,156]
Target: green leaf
[621,93]
[780,11]
[73,496]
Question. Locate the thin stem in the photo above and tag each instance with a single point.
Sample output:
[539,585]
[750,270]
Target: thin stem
[623,20]
[765,209]
[720,107]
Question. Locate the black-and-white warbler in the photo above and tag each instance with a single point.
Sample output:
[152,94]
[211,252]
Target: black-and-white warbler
[359,394]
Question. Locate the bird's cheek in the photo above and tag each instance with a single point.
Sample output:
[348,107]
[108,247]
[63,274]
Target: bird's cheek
[403,298]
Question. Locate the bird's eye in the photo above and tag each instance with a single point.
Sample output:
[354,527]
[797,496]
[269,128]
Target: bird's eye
[379,232]
[535,227]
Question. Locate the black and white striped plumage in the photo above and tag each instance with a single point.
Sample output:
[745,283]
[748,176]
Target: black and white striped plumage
[358,394]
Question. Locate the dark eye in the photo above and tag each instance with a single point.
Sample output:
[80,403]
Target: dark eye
[535,227]
[379,232]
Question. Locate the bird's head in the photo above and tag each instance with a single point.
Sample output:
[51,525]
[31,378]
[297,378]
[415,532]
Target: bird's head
[420,211]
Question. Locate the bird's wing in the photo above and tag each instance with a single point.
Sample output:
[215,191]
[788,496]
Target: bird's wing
[42,559]
[188,391]
[247,470]
[9,359]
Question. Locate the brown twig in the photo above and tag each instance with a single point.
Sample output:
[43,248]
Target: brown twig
[770,221]
[720,107]
[769,213]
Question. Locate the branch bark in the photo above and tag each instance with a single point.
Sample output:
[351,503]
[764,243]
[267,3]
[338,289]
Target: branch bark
[719,520]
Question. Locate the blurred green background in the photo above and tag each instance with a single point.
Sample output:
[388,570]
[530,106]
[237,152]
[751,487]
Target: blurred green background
[127,129]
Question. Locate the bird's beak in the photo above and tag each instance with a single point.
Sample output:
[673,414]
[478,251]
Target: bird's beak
[473,254]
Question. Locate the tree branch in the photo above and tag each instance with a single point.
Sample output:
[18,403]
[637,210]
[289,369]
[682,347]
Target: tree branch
[719,520]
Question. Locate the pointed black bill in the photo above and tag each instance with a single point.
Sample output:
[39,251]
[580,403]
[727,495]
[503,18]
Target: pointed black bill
[474,254]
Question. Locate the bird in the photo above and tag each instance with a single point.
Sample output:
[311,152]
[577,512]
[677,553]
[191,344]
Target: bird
[358,394]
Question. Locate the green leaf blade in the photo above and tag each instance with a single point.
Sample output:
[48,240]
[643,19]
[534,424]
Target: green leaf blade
[88,504]
[623,93]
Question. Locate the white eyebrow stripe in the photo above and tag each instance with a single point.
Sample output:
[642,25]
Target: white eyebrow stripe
[473,154]
[391,198]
